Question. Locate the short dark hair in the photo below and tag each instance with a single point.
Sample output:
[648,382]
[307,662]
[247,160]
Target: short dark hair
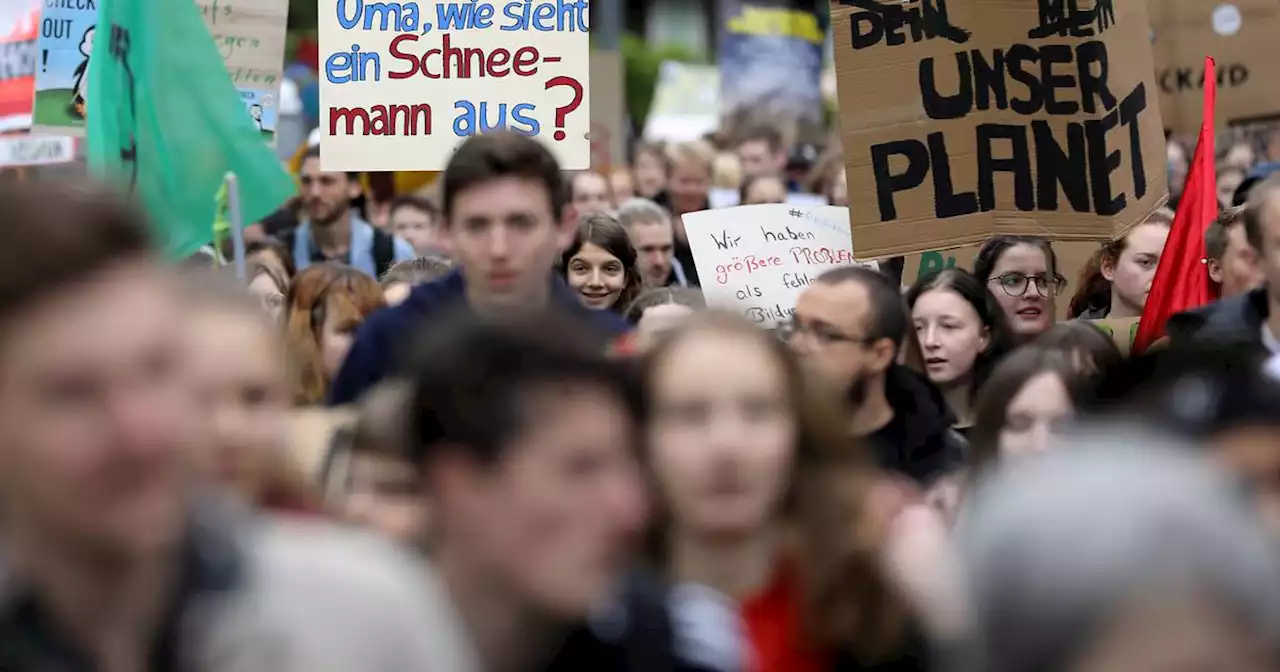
[411,201]
[991,251]
[607,234]
[313,152]
[491,156]
[275,245]
[417,271]
[889,315]
[763,133]
[1215,237]
[58,235]
[472,378]
[1260,198]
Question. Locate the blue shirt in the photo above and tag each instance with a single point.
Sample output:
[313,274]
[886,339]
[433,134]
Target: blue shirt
[360,251]
[378,349]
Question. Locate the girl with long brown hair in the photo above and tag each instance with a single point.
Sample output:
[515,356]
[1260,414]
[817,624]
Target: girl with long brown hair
[326,303]
[764,498]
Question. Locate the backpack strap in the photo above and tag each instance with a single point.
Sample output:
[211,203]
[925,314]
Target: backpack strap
[384,252]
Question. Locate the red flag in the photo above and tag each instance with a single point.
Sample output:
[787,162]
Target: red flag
[1181,281]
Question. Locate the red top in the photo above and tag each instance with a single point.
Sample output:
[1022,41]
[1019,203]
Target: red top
[773,626]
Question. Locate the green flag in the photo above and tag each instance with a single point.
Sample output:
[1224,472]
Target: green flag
[165,122]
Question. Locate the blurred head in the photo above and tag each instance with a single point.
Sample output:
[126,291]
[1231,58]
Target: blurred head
[652,236]
[690,176]
[325,306]
[765,189]
[960,327]
[1089,349]
[659,310]
[650,170]
[269,287]
[271,252]
[1232,262]
[383,492]
[1229,179]
[848,326]
[505,218]
[589,193]
[525,434]
[762,153]
[417,221]
[1178,165]
[600,264]
[1240,155]
[1123,551]
[1022,273]
[239,364]
[726,171]
[838,192]
[1031,395]
[621,186]
[1262,230]
[100,418]
[400,279]
[325,197]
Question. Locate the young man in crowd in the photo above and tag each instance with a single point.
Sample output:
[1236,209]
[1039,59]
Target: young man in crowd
[505,222]
[416,221]
[330,230]
[1232,263]
[524,434]
[651,232]
[114,555]
[763,153]
[849,325]
[1249,320]
[589,193]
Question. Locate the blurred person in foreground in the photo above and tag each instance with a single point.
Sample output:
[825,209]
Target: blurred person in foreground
[849,325]
[1118,552]
[1248,320]
[1225,399]
[115,557]
[525,436]
[505,220]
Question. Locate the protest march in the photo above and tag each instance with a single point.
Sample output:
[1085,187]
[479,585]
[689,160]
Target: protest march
[566,335]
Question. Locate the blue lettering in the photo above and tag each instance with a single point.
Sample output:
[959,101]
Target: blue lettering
[512,11]
[353,66]
[349,23]
[483,16]
[522,114]
[386,16]
[451,16]
[337,68]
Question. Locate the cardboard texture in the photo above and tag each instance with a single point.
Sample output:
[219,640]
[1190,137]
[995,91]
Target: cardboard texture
[1122,330]
[1072,257]
[1240,35]
[951,134]
[608,113]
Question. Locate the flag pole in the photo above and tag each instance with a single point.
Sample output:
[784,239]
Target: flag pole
[236,216]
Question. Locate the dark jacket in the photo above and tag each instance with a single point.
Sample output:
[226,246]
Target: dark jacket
[377,350]
[1231,322]
[919,442]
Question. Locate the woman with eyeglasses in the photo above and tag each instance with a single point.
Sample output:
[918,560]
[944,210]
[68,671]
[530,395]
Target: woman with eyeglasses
[1116,281]
[1022,273]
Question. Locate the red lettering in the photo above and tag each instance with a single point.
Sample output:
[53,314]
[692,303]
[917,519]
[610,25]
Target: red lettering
[397,54]
[526,64]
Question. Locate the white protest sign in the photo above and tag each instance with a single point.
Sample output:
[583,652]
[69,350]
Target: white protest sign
[757,259]
[36,150]
[403,83]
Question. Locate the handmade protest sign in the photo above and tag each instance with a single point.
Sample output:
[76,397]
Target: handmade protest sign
[757,259]
[18,25]
[403,83]
[250,37]
[963,119]
[1241,37]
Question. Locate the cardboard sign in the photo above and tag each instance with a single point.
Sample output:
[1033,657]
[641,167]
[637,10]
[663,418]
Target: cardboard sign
[963,119]
[1122,330]
[757,259]
[250,36]
[1071,258]
[402,84]
[686,103]
[1241,37]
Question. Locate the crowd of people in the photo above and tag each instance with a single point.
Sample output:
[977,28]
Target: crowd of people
[498,428]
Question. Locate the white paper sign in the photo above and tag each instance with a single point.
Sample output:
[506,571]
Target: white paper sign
[757,259]
[36,150]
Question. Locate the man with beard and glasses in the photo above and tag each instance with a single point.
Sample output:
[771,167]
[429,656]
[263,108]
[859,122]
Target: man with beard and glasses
[849,326]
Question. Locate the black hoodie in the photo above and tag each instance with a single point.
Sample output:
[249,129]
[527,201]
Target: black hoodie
[919,441]
[1235,321]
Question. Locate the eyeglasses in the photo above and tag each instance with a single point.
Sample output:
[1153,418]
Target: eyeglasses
[1016,284]
[822,332]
